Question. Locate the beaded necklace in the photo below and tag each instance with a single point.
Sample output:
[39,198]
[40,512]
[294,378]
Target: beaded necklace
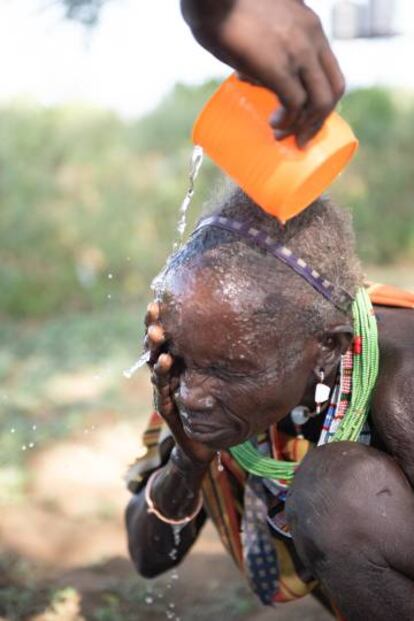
[350,425]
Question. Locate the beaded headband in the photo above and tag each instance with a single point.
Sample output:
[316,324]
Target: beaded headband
[335,294]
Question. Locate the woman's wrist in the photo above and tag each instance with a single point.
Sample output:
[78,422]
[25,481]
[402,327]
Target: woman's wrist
[204,13]
[173,521]
[176,490]
[190,469]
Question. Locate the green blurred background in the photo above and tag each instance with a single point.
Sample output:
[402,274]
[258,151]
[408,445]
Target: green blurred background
[88,213]
[87,197]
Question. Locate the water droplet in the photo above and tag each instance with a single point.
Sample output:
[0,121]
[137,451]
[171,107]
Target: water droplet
[110,276]
[149,600]
[173,554]
[195,164]
[31,445]
[172,605]
[12,430]
[177,534]
[220,466]
[174,575]
[24,447]
[109,296]
[34,427]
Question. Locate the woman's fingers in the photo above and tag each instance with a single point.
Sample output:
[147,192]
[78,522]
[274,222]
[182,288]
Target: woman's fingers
[162,382]
[152,314]
[163,366]
[154,339]
[156,334]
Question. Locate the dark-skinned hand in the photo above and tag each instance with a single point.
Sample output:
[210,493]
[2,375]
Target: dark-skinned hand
[279,44]
[166,381]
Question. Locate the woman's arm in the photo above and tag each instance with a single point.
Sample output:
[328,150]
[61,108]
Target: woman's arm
[154,546]
[176,488]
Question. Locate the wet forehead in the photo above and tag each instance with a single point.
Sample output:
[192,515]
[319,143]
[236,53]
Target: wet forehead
[211,313]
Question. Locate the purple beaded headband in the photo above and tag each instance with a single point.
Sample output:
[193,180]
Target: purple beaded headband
[336,295]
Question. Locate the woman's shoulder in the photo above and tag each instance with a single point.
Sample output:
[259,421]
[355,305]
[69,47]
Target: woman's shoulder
[392,408]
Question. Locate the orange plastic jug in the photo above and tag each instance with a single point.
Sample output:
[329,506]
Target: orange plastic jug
[233,129]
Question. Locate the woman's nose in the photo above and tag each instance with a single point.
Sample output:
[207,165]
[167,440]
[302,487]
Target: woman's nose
[194,397]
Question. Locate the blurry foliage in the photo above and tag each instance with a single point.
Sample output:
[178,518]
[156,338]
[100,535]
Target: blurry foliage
[89,202]
[37,357]
[379,184]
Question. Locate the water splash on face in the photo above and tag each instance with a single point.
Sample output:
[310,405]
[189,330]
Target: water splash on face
[195,165]
[158,282]
[143,359]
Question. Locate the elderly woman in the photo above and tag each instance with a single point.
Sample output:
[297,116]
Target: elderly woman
[264,353]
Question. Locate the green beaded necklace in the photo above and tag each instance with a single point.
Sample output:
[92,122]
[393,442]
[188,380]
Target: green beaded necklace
[364,376]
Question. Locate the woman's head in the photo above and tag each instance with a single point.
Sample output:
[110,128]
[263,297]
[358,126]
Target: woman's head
[249,334]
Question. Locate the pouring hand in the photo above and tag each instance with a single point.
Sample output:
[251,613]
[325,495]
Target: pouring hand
[279,44]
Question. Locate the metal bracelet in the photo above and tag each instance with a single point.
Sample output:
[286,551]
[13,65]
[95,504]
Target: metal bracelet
[151,507]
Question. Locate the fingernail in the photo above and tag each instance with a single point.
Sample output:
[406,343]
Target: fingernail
[277,117]
[280,134]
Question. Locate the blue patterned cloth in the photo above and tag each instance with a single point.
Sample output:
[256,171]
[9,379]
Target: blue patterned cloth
[259,553]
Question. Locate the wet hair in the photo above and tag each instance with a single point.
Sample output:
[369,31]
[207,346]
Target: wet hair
[322,235]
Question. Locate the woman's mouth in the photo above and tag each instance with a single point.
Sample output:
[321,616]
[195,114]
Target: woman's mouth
[201,428]
[218,439]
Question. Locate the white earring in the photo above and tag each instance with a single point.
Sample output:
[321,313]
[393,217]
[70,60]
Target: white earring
[322,392]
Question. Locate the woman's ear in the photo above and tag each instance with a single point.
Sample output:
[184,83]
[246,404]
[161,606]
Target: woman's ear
[333,343]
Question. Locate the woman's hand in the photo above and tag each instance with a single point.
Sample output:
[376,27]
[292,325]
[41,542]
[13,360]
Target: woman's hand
[189,453]
[279,44]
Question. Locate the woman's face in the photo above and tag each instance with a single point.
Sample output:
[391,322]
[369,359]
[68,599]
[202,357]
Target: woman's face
[237,375]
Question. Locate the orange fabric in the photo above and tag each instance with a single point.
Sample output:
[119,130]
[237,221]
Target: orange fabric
[387,295]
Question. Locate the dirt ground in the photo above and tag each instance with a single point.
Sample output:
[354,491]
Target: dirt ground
[64,551]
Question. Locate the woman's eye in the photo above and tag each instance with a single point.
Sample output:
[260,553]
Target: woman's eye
[179,364]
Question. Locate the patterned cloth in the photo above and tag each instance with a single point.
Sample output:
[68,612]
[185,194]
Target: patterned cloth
[260,559]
